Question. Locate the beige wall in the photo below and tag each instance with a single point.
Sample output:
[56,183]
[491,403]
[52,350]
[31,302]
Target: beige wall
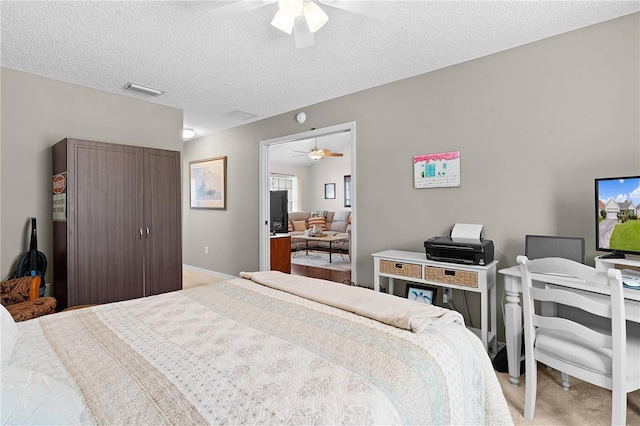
[303,174]
[535,125]
[313,178]
[329,170]
[38,112]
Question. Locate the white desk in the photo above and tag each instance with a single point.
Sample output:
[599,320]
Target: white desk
[513,308]
[414,267]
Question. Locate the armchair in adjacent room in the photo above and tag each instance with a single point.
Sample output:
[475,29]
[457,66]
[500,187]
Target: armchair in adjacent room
[20,297]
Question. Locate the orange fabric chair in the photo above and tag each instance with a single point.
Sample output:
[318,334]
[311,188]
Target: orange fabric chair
[20,297]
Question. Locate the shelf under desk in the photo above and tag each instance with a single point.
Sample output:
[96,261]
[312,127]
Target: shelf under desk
[414,267]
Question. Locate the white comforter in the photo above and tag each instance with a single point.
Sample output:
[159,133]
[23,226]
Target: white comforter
[241,352]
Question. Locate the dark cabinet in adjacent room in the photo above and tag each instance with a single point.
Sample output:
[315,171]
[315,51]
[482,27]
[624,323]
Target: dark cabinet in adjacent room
[117,222]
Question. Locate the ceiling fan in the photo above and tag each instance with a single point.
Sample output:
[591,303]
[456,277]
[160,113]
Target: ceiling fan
[304,17]
[316,153]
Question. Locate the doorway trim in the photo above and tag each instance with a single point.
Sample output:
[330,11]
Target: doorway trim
[264,188]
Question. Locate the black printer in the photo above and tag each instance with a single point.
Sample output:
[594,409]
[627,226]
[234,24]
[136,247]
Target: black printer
[445,249]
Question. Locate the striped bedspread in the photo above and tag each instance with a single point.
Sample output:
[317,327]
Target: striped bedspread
[239,352]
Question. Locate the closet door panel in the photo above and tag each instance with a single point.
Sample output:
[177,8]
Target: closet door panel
[107,246]
[162,211]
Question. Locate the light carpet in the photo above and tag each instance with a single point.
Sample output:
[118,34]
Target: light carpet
[583,404]
[319,259]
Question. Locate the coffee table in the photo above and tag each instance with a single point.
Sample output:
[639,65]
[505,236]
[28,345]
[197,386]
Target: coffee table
[330,239]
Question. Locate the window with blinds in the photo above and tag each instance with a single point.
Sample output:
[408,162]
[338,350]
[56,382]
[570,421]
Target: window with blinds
[288,183]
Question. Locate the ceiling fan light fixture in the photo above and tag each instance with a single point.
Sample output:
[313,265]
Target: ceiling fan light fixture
[290,7]
[283,21]
[315,16]
[315,155]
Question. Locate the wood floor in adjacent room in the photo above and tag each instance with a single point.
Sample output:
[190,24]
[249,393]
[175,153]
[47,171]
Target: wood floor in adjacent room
[322,273]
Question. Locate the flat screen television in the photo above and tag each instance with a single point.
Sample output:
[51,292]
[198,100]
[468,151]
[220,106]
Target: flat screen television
[279,216]
[617,222]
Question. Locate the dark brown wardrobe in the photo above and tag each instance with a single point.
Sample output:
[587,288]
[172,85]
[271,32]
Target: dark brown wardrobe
[117,230]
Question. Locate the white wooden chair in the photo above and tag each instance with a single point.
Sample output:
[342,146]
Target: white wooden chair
[604,357]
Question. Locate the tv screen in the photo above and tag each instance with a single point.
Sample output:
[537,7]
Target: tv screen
[279,217]
[617,224]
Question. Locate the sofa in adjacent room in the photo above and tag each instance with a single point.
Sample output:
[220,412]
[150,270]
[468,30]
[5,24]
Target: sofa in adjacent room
[333,224]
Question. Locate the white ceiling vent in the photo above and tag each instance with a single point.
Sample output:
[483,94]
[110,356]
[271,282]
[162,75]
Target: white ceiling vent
[144,90]
[240,115]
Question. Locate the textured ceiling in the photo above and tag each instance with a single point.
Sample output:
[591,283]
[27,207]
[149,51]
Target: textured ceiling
[210,67]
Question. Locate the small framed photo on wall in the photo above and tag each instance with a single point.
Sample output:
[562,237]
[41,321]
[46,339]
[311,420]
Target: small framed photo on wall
[329,191]
[421,293]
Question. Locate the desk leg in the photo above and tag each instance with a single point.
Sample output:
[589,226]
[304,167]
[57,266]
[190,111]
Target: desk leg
[376,274]
[493,324]
[484,314]
[513,328]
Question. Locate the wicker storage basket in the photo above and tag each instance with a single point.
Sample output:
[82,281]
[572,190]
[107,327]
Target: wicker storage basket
[401,269]
[451,276]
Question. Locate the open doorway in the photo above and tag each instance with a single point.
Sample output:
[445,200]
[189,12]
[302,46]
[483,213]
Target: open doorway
[324,186]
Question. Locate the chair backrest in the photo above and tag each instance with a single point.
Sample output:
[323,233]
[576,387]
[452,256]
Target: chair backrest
[539,246]
[611,307]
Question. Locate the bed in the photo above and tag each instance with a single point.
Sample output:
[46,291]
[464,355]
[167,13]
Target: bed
[264,348]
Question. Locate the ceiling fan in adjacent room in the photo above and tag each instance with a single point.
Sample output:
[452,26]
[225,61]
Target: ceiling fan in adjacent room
[302,18]
[316,153]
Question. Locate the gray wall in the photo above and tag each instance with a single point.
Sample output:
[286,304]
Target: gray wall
[36,113]
[535,125]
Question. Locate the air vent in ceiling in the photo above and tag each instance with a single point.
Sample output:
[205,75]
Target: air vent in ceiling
[240,115]
[144,90]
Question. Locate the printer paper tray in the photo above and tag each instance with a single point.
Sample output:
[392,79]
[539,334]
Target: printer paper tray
[451,260]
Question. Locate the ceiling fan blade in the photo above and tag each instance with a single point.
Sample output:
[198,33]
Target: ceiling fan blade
[333,154]
[302,34]
[233,9]
[375,9]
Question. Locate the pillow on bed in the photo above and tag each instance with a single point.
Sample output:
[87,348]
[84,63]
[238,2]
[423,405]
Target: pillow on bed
[9,335]
[29,397]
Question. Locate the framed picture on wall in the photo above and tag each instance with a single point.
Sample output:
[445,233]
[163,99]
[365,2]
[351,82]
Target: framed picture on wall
[329,191]
[208,183]
[421,293]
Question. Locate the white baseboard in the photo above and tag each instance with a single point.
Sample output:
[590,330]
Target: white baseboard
[206,271]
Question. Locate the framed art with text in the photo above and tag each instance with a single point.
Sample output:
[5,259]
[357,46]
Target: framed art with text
[208,183]
[436,170]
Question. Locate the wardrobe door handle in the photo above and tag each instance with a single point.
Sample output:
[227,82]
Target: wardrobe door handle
[140,233]
[147,232]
